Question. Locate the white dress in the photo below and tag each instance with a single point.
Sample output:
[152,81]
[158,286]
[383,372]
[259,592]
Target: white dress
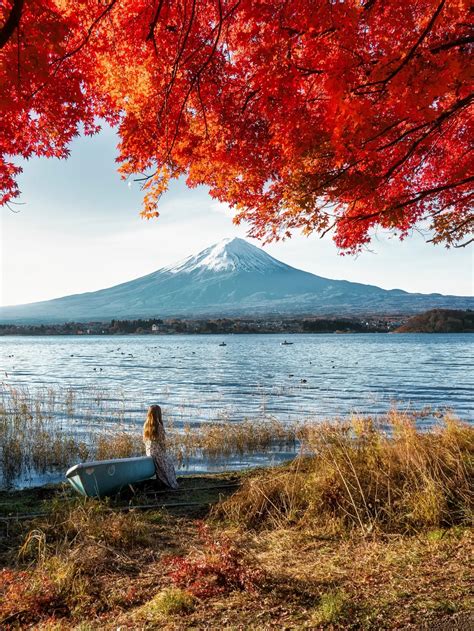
[163,464]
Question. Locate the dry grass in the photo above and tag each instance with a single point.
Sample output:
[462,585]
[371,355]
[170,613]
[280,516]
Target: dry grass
[367,582]
[79,542]
[219,440]
[48,430]
[83,566]
[51,430]
[392,478]
[87,558]
[116,444]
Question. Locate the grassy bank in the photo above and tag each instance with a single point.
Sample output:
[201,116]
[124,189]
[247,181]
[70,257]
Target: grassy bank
[372,532]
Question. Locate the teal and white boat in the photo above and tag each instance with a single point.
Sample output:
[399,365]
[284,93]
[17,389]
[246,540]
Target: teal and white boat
[106,477]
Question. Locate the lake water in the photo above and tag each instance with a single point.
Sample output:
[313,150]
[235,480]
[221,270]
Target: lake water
[112,380]
[196,380]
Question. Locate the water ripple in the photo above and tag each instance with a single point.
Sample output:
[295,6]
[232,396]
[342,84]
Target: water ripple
[198,381]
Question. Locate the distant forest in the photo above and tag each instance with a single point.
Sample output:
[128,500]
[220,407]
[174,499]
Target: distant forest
[434,321]
[440,321]
[155,326]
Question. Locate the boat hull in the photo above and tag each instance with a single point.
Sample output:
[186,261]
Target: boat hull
[107,477]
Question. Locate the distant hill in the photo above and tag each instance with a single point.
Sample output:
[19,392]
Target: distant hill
[440,321]
[231,278]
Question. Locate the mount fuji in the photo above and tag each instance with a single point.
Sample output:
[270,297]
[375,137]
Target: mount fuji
[230,278]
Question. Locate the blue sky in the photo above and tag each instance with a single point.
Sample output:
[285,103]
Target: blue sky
[78,229]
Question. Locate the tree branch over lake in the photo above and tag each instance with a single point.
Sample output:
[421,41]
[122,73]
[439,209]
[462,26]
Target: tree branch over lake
[318,116]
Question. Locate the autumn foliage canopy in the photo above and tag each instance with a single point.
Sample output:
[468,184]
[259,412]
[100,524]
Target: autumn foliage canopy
[300,114]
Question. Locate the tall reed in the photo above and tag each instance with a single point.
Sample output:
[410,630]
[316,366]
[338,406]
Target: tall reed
[50,430]
[369,475]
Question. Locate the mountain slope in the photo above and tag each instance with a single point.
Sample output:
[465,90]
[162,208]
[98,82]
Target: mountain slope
[230,278]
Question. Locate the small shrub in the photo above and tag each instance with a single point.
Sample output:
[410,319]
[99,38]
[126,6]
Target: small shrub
[435,535]
[218,568]
[26,596]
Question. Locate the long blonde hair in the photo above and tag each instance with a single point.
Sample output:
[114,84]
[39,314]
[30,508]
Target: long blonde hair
[153,428]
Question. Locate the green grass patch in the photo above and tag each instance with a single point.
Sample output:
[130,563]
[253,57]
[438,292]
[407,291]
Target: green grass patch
[333,607]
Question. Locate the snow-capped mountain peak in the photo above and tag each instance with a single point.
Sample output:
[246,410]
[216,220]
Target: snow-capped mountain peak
[230,278]
[228,255]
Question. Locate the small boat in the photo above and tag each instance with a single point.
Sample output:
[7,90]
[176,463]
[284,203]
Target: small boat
[222,344]
[106,477]
[285,343]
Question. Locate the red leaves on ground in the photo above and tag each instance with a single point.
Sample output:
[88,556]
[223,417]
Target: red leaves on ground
[217,568]
[26,596]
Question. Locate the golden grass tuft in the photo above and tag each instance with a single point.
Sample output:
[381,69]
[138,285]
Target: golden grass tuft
[118,444]
[169,601]
[332,607]
[367,475]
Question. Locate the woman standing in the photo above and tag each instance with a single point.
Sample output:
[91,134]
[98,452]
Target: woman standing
[155,446]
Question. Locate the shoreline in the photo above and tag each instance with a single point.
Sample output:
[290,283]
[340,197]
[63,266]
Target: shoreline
[368,528]
[253,550]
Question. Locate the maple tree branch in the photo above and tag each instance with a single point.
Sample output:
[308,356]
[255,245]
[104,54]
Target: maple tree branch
[88,34]
[248,98]
[384,131]
[197,75]
[418,197]
[57,62]
[435,122]
[465,244]
[461,41]
[410,55]
[333,176]
[328,229]
[13,21]
[369,4]
[203,108]
[406,133]
[177,60]
[411,52]
[457,228]
[421,195]
[430,191]
[459,105]
[441,210]
[153,23]
[224,17]
[308,71]
[18,55]
[9,206]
